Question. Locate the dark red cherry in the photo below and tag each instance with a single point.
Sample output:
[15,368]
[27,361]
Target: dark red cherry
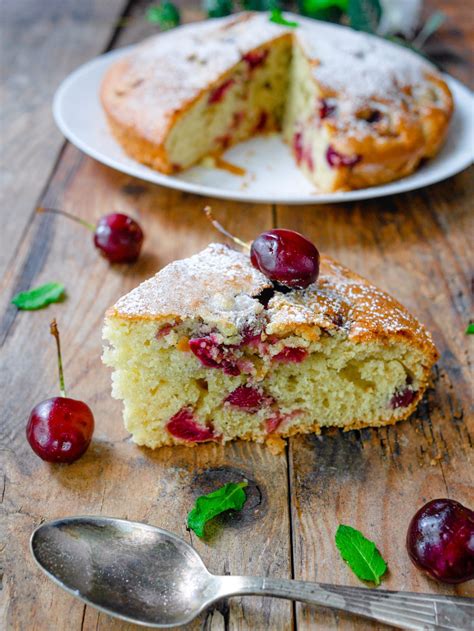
[60,429]
[183,426]
[286,257]
[440,541]
[119,238]
[403,399]
[214,355]
[326,109]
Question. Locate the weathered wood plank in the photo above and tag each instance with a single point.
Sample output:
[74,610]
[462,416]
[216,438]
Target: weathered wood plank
[40,43]
[116,477]
[416,247]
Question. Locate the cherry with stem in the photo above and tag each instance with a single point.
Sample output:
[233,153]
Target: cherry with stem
[118,237]
[286,257]
[60,429]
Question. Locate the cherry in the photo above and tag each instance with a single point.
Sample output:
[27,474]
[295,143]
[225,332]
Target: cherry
[336,159]
[60,429]
[287,257]
[440,541]
[118,237]
[218,94]
[290,355]
[326,109]
[403,399]
[255,58]
[183,426]
[214,355]
[249,399]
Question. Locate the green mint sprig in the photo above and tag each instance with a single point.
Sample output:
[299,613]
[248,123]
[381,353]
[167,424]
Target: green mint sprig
[360,554]
[39,297]
[206,507]
[470,329]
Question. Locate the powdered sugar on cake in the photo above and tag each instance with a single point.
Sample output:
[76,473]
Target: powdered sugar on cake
[220,287]
[173,68]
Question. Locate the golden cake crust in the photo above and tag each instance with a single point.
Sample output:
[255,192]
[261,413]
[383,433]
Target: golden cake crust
[145,94]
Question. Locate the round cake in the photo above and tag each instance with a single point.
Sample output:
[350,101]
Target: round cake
[355,109]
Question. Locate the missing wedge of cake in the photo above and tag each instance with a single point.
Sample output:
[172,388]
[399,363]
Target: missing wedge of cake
[356,110]
[209,350]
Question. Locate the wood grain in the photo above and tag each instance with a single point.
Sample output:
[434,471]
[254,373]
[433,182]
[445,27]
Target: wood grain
[40,44]
[416,245]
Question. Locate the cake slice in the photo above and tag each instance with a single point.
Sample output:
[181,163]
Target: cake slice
[209,350]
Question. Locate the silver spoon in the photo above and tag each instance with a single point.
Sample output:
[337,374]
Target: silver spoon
[146,575]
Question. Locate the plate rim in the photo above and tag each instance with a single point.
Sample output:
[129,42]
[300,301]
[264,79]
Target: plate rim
[403,185]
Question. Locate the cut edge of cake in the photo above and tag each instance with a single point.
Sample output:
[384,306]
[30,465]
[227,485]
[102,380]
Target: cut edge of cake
[204,352]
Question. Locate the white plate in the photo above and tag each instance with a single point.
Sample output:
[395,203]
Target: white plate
[271,173]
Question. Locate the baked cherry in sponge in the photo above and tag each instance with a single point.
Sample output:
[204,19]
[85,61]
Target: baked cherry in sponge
[215,347]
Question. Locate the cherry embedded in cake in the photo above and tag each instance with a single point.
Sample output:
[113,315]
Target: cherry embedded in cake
[199,356]
[355,109]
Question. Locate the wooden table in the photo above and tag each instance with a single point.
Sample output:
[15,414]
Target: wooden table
[414,245]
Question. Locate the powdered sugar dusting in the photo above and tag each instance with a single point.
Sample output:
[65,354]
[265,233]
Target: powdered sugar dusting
[168,71]
[218,286]
[215,286]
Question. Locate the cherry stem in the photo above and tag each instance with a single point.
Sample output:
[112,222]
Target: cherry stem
[56,211]
[53,327]
[207,211]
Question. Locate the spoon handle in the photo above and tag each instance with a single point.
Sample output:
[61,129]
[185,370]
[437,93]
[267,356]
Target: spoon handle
[405,610]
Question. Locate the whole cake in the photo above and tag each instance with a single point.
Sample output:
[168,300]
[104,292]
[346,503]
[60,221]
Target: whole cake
[355,109]
[209,350]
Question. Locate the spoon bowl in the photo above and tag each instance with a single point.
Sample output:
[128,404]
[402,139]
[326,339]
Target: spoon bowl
[133,571]
[148,576]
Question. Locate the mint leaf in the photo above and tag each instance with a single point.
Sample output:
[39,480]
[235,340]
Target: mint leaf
[327,10]
[364,15]
[217,8]
[360,554]
[277,17]
[166,15]
[470,329]
[39,297]
[320,5]
[208,506]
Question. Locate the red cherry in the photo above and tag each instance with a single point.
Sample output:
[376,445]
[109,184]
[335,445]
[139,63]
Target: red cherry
[249,398]
[119,238]
[440,541]
[255,58]
[403,399]
[286,257]
[218,93]
[60,429]
[336,159]
[290,355]
[326,109]
[183,426]
[214,355]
